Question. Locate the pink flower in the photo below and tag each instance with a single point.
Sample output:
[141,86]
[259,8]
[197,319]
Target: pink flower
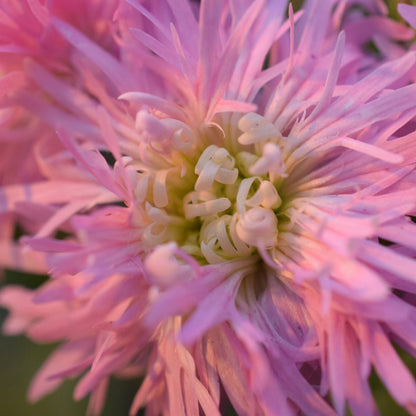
[229,229]
[366,23]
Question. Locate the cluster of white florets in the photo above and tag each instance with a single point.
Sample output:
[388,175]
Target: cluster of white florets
[230,203]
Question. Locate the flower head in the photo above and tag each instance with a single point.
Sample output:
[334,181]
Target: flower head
[223,221]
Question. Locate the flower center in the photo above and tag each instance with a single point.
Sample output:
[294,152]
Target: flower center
[217,205]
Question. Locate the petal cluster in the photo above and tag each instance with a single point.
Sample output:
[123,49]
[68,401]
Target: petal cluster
[222,194]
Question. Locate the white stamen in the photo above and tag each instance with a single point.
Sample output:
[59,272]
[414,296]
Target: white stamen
[243,191]
[265,196]
[215,164]
[155,234]
[244,161]
[220,241]
[255,129]
[210,255]
[250,121]
[140,189]
[183,136]
[271,161]
[199,204]
[156,214]
[160,194]
[258,227]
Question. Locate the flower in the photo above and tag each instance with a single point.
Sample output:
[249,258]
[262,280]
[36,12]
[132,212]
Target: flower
[228,229]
